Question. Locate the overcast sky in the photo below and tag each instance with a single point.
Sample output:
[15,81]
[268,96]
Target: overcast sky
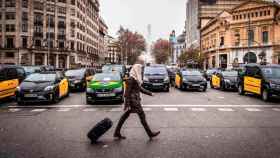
[163,15]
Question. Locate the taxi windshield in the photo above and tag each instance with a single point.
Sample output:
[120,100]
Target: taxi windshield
[40,78]
[77,73]
[271,72]
[112,68]
[191,73]
[107,77]
[230,73]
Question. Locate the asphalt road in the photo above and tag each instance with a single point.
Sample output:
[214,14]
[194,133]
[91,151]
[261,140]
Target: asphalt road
[193,124]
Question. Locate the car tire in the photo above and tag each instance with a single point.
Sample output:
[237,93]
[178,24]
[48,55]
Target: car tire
[20,103]
[55,97]
[265,95]
[223,86]
[211,85]
[240,90]
[204,89]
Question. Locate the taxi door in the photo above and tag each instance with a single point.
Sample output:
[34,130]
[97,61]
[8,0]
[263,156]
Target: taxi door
[216,81]
[8,82]
[178,80]
[252,84]
[63,87]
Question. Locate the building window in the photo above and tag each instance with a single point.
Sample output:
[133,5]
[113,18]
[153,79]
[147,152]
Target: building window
[268,12]
[24,42]
[10,15]
[61,44]
[265,37]
[50,8]
[10,3]
[261,13]
[62,1]
[10,42]
[38,5]
[72,45]
[38,43]
[0,29]
[251,37]
[61,10]
[24,27]
[222,41]
[257,14]
[9,55]
[24,3]
[10,28]
[237,38]
[73,2]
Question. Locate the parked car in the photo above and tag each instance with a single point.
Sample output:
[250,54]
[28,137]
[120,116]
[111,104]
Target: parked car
[44,86]
[114,67]
[263,80]
[172,74]
[78,78]
[105,87]
[190,79]
[224,80]
[156,78]
[10,78]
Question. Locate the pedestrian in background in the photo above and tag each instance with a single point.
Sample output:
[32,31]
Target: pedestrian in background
[133,100]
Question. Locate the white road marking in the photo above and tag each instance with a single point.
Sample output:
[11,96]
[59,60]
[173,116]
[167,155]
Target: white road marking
[171,109]
[115,110]
[253,109]
[276,109]
[63,109]
[89,110]
[221,97]
[147,109]
[38,110]
[225,109]
[198,109]
[14,110]
[152,105]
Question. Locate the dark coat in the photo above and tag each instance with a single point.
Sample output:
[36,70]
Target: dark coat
[132,95]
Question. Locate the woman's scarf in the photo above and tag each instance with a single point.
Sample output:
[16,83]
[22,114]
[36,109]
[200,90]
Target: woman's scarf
[136,73]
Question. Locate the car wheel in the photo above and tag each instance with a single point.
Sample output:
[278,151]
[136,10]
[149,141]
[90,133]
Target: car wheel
[20,103]
[204,89]
[223,88]
[240,90]
[55,97]
[211,85]
[265,95]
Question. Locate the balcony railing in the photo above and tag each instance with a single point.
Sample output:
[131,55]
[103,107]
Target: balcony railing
[38,34]
[61,37]
[61,25]
[38,23]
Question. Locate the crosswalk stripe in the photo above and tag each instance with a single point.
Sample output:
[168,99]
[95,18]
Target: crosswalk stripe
[171,109]
[253,109]
[147,109]
[38,110]
[63,110]
[14,110]
[89,110]
[276,109]
[115,110]
[225,109]
[198,109]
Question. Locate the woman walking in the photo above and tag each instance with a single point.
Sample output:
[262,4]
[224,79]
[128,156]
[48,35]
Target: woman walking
[133,100]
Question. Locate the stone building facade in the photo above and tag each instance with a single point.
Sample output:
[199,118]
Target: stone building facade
[249,33]
[62,33]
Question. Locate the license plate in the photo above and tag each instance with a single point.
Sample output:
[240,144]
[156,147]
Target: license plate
[157,84]
[30,95]
[106,95]
[196,85]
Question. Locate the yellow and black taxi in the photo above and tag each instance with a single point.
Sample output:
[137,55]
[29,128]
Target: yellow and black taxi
[44,86]
[78,78]
[105,87]
[263,80]
[10,78]
[224,80]
[190,79]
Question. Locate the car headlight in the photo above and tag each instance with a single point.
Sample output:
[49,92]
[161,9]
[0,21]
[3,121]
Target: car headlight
[18,88]
[118,89]
[166,79]
[145,79]
[90,90]
[185,80]
[204,80]
[227,80]
[49,88]
[77,81]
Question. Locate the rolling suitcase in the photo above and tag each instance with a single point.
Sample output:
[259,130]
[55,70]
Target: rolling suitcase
[99,129]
